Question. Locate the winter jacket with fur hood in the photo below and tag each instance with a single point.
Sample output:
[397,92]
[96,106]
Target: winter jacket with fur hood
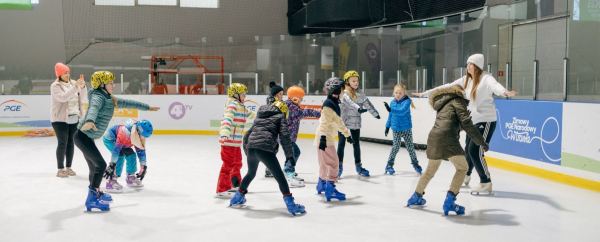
[452,116]
[350,115]
[269,125]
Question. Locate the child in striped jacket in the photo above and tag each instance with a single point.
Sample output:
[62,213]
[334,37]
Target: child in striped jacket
[231,136]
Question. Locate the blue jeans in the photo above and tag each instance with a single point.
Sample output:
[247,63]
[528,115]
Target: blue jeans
[288,166]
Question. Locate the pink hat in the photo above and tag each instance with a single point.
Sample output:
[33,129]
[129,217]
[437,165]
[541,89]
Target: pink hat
[60,69]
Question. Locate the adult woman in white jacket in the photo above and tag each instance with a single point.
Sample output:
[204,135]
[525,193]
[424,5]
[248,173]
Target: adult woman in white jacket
[479,87]
[66,109]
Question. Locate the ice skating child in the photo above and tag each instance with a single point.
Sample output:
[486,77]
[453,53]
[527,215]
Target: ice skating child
[330,124]
[231,134]
[353,105]
[120,141]
[295,97]
[442,143]
[479,88]
[275,94]
[102,105]
[400,121]
[260,144]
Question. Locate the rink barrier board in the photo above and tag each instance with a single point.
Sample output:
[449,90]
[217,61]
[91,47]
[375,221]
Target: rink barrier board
[545,174]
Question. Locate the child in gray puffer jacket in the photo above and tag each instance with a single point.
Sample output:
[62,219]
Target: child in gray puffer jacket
[353,105]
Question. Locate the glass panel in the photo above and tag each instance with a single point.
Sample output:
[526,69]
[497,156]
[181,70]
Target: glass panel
[369,59]
[584,71]
[389,59]
[453,48]
[551,48]
[433,48]
[409,55]
[523,55]
[473,36]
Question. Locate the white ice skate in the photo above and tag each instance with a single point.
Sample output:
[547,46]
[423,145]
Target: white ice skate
[113,186]
[294,181]
[482,187]
[467,180]
[133,181]
[227,194]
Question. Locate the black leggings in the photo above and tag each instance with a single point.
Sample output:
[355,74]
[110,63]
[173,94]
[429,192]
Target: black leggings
[92,155]
[342,144]
[64,134]
[474,152]
[270,160]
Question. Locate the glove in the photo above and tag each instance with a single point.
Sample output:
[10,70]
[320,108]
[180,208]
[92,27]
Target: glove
[350,140]
[142,172]
[485,146]
[387,130]
[291,160]
[387,107]
[289,168]
[361,110]
[109,173]
[323,143]
[378,117]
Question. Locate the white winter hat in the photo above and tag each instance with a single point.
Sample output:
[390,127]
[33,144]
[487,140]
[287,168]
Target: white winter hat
[476,59]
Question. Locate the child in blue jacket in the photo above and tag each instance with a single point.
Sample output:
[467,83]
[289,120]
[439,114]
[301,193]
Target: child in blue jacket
[400,121]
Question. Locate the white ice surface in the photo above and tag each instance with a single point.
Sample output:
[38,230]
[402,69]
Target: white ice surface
[178,204]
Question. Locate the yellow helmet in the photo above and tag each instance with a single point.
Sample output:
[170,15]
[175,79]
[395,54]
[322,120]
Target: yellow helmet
[236,88]
[282,107]
[350,74]
[101,77]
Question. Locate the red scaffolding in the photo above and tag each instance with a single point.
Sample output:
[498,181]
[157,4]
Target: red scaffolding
[158,60]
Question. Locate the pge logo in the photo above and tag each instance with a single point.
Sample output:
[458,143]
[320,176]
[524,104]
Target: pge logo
[177,110]
[14,107]
[251,105]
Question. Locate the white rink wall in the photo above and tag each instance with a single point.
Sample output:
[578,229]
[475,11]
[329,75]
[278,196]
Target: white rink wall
[555,136]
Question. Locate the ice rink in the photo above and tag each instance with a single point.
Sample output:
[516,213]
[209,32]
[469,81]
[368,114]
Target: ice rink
[178,203]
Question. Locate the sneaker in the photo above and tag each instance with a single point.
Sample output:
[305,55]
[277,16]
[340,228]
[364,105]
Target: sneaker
[70,172]
[62,174]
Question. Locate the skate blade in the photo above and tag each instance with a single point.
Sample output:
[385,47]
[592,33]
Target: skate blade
[114,191]
[96,210]
[484,193]
[237,206]
[228,195]
[297,186]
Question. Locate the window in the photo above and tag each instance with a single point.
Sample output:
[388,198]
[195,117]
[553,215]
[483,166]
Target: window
[199,3]
[116,2]
[158,2]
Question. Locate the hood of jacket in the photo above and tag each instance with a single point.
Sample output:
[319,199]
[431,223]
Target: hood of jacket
[439,98]
[266,111]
